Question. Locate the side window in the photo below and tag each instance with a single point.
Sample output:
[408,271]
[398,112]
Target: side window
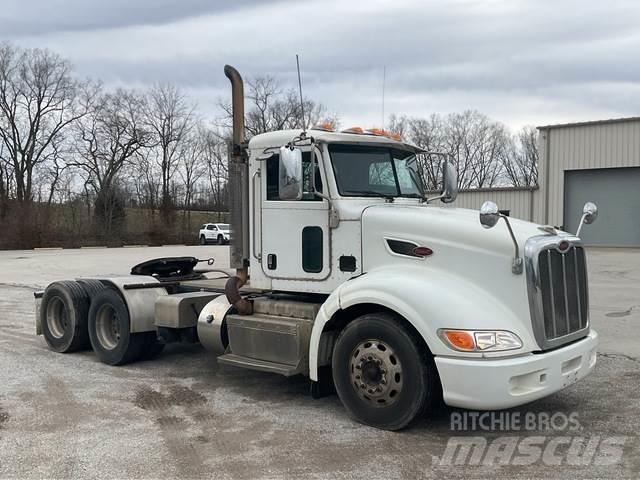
[272,178]
[312,249]
[209,227]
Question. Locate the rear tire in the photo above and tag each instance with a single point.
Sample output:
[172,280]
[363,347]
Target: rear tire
[384,375]
[63,316]
[91,287]
[109,330]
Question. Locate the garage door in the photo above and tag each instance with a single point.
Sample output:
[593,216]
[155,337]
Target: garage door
[616,191]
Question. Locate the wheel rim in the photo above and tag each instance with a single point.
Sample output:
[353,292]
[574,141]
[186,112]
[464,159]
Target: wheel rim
[57,320]
[107,327]
[376,373]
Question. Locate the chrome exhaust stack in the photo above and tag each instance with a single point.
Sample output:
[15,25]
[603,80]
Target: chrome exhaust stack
[238,197]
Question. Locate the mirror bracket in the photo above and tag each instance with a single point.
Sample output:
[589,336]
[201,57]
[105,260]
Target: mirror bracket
[489,217]
[589,215]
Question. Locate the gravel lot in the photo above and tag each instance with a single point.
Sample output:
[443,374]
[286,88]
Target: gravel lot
[183,415]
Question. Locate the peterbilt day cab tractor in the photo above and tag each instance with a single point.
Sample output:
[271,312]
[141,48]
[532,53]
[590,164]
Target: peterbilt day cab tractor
[345,272]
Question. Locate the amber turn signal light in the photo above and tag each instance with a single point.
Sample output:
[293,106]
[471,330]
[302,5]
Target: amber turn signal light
[460,339]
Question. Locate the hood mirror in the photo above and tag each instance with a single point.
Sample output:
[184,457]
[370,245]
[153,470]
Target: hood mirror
[589,215]
[489,217]
[290,173]
[489,214]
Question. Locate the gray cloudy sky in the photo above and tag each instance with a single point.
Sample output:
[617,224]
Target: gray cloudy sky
[519,61]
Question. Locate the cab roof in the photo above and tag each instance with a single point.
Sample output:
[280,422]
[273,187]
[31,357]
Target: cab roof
[282,137]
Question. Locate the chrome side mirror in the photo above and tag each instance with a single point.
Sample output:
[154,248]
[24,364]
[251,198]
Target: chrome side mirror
[290,173]
[450,182]
[589,215]
[489,217]
[489,214]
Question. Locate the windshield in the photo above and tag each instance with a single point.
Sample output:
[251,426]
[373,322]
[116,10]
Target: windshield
[363,171]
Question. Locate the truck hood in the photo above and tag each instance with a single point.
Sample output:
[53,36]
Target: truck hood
[467,257]
[454,227]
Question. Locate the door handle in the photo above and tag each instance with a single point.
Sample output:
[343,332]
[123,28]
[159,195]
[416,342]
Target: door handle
[258,201]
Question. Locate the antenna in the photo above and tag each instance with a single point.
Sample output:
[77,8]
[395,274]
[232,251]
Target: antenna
[384,77]
[300,87]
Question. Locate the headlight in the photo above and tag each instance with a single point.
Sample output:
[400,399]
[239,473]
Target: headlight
[480,340]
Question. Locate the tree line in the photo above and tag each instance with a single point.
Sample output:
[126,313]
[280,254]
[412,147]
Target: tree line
[81,154]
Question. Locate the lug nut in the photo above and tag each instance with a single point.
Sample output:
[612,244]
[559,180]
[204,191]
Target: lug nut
[371,390]
[358,367]
[358,377]
[383,381]
[362,385]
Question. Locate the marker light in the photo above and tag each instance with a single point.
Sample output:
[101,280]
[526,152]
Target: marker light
[383,133]
[356,130]
[480,340]
[324,126]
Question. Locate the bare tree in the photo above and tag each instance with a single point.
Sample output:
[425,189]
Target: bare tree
[476,144]
[193,166]
[521,161]
[106,140]
[216,149]
[274,108]
[37,105]
[170,118]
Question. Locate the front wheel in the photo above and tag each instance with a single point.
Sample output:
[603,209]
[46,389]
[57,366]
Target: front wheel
[203,240]
[220,239]
[383,375]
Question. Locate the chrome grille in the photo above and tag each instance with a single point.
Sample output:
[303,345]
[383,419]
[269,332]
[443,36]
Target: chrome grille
[558,293]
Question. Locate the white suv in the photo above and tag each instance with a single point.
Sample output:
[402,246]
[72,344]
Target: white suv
[214,232]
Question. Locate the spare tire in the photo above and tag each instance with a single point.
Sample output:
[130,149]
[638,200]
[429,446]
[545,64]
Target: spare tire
[63,316]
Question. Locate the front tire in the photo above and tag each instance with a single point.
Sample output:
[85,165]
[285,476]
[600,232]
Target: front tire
[220,239]
[109,330]
[383,374]
[203,240]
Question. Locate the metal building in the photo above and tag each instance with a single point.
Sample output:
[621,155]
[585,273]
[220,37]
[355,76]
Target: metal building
[591,161]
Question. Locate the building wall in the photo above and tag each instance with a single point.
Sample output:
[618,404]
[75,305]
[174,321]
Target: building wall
[519,201]
[605,144]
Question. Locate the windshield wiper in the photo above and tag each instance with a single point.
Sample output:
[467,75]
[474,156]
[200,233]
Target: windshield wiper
[370,193]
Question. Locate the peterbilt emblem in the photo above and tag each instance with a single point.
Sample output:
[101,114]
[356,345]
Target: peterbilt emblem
[564,246]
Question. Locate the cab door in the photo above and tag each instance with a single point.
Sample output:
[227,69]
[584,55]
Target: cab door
[295,233]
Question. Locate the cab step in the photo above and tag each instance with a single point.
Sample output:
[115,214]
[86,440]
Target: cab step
[254,364]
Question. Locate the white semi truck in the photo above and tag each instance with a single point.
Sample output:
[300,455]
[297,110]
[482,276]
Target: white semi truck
[346,273]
